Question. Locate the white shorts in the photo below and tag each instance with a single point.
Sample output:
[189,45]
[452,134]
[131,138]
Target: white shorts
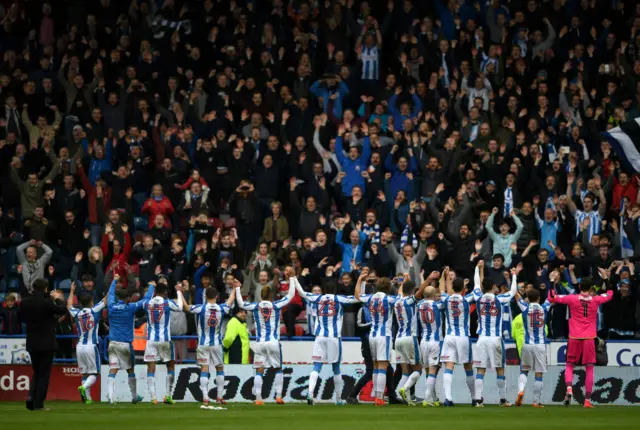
[159,351]
[88,359]
[380,348]
[267,354]
[430,352]
[456,349]
[327,350]
[210,355]
[534,358]
[490,353]
[121,355]
[407,350]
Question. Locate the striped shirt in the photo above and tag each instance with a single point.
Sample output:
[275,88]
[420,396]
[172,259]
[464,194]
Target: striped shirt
[594,225]
[266,314]
[405,310]
[209,322]
[87,323]
[380,307]
[490,311]
[330,311]
[370,58]
[429,314]
[534,316]
[159,317]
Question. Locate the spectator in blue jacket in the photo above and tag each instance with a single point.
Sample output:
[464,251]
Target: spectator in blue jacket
[355,162]
[400,115]
[401,172]
[101,159]
[330,87]
[352,252]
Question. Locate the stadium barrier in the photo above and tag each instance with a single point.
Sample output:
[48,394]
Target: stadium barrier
[298,351]
[613,385]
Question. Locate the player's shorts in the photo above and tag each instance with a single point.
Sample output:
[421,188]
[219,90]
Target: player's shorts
[490,353]
[407,350]
[88,359]
[267,354]
[581,351]
[380,348]
[430,352]
[210,355]
[159,351]
[327,350]
[121,355]
[456,349]
[534,358]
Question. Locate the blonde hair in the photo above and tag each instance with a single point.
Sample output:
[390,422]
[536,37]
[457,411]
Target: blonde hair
[95,249]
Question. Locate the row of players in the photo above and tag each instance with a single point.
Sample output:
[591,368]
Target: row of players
[413,305]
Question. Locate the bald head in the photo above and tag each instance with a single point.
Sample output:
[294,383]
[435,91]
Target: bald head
[430,293]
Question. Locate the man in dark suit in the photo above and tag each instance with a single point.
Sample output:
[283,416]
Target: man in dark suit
[40,313]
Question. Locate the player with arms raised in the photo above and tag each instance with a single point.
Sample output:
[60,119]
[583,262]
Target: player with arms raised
[159,346]
[267,350]
[534,349]
[210,334]
[121,319]
[380,306]
[583,318]
[87,352]
[327,346]
[407,346]
[456,348]
[490,352]
[429,309]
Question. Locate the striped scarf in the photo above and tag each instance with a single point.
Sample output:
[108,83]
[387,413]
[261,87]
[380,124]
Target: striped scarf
[368,229]
[162,27]
[404,239]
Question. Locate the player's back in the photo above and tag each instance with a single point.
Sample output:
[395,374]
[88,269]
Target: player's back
[267,319]
[534,316]
[209,322]
[457,310]
[583,313]
[405,310]
[429,314]
[121,320]
[489,311]
[380,307]
[329,316]
[158,320]
[87,320]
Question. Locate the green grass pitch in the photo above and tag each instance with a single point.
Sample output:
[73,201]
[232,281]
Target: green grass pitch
[67,415]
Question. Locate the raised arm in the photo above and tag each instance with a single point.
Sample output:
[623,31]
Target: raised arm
[111,296]
[247,306]
[71,295]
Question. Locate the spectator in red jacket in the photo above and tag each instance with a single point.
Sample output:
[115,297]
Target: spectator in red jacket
[115,253]
[158,204]
[624,186]
[100,191]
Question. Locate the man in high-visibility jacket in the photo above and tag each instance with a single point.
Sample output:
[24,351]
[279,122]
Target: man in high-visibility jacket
[236,340]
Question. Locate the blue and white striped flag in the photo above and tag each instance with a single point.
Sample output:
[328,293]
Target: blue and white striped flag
[625,141]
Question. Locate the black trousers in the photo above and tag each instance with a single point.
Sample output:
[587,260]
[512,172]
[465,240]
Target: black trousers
[368,375]
[41,363]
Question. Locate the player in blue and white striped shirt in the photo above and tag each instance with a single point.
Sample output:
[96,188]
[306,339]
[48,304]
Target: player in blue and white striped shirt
[407,346]
[87,323]
[159,346]
[267,352]
[429,315]
[534,349]
[456,347]
[209,317]
[490,351]
[327,346]
[380,306]
[594,216]
[312,311]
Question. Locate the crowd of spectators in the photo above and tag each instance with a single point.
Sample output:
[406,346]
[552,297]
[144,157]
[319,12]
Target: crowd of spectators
[199,141]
